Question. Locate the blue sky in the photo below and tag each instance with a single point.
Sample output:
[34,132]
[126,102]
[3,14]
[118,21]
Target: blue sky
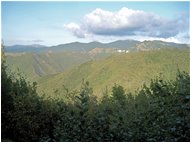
[52,23]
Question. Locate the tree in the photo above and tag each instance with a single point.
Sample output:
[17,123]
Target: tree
[118,94]
[2,53]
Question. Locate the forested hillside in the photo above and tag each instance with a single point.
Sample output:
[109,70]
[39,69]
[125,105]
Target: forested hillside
[95,71]
[36,65]
[157,112]
[36,61]
[130,70]
[136,96]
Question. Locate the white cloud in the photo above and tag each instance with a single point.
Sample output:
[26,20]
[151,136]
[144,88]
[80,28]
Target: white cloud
[122,22]
[75,29]
[128,22]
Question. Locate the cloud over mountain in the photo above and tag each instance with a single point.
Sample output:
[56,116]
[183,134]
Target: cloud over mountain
[75,29]
[127,22]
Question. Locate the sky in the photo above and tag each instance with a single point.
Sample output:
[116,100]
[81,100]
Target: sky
[53,23]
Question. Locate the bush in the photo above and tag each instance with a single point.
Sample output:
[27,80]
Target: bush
[159,112]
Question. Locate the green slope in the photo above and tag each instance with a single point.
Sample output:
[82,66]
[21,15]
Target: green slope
[129,70]
[36,65]
[22,63]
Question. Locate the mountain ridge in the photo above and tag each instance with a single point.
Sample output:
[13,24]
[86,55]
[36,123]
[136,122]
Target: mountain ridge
[129,70]
[86,47]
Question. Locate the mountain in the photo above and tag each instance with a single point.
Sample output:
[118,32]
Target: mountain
[25,48]
[35,61]
[156,44]
[71,47]
[131,45]
[122,44]
[86,47]
[129,70]
[100,63]
[36,65]
[76,47]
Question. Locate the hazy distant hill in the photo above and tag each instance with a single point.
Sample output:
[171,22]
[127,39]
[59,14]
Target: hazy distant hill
[25,48]
[129,70]
[122,44]
[150,45]
[132,45]
[86,47]
[144,61]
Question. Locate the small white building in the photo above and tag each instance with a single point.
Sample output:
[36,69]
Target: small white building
[122,51]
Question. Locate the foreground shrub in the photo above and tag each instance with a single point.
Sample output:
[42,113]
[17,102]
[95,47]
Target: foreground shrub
[158,112]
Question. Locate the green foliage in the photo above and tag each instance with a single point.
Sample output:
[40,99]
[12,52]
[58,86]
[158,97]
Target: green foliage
[183,83]
[158,112]
[44,64]
[129,70]
[18,98]
[6,100]
[118,94]
[2,53]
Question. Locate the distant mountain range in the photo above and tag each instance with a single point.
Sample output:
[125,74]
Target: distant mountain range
[25,48]
[130,70]
[86,47]
[99,63]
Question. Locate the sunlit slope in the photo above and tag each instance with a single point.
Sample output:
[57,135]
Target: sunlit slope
[34,66]
[129,70]
[23,64]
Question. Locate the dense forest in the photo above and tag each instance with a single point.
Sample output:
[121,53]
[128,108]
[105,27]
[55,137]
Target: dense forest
[158,112]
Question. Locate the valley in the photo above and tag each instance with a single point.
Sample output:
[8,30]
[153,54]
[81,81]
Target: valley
[91,71]
[130,64]
[129,70]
